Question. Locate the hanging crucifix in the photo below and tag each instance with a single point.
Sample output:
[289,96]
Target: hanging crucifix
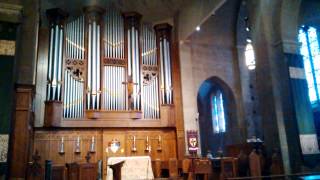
[130,85]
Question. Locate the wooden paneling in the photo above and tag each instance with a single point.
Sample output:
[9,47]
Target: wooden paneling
[47,142]
[22,131]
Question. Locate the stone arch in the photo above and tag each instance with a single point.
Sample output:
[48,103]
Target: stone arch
[209,140]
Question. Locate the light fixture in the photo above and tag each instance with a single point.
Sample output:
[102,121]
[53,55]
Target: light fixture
[198,28]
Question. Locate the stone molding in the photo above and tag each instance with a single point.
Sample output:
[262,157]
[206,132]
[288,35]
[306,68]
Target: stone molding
[289,46]
[10,12]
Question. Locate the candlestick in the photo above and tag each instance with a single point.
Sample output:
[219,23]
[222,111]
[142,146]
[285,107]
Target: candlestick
[77,148]
[134,148]
[92,146]
[61,149]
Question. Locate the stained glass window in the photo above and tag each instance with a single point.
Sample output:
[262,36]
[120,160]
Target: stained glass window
[218,114]
[311,59]
[249,55]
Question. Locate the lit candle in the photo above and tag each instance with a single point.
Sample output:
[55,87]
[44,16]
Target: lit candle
[62,140]
[92,140]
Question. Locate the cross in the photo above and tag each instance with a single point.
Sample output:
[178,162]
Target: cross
[88,157]
[130,84]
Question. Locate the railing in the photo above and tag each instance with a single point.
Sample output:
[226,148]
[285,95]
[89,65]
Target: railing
[305,176]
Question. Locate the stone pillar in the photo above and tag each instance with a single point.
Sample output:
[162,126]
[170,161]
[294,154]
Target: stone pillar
[302,109]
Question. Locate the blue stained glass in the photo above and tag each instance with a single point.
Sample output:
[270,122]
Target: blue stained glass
[217,111]
[311,59]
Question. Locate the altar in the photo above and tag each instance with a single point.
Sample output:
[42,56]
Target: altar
[134,167]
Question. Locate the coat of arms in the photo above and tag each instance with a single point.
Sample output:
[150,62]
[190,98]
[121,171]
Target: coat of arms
[114,145]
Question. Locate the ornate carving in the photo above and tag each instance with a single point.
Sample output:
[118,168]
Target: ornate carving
[115,62]
[148,77]
[76,67]
[7,47]
[4,142]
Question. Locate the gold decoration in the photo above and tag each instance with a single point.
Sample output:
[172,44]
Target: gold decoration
[7,48]
[4,142]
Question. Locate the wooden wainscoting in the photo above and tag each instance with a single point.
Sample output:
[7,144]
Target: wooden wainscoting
[47,142]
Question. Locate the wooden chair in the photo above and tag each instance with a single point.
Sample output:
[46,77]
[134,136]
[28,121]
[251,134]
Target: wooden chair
[88,171]
[83,171]
[173,168]
[202,167]
[186,168]
[256,164]
[58,172]
[228,167]
[156,166]
[72,171]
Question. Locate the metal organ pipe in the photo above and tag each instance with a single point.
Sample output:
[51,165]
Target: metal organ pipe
[114,77]
[73,82]
[150,94]
[163,42]
[56,18]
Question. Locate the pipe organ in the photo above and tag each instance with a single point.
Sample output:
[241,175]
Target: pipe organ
[163,43]
[114,68]
[55,56]
[150,90]
[73,83]
[104,61]
[133,56]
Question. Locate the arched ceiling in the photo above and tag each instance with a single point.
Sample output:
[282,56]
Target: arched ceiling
[152,10]
[220,28]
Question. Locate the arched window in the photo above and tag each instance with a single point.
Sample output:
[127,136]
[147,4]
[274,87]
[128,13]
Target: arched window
[217,112]
[311,59]
[249,55]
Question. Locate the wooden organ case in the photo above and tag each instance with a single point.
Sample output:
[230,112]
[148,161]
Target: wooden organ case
[112,90]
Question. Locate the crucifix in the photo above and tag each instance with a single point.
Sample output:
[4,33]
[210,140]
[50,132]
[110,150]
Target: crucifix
[130,85]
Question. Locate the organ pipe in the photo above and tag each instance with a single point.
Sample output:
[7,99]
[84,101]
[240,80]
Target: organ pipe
[132,24]
[55,59]
[163,32]
[105,62]
[93,72]
[150,93]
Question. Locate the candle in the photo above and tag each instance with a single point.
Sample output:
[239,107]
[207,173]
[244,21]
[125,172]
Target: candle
[92,139]
[62,140]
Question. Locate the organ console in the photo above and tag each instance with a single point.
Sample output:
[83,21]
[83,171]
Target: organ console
[106,61]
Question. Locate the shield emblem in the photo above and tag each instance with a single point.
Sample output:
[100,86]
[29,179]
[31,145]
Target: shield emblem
[114,145]
[193,142]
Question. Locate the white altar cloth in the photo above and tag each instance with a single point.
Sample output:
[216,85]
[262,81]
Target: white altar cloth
[134,168]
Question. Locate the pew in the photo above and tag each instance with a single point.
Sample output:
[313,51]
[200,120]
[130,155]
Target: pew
[202,167]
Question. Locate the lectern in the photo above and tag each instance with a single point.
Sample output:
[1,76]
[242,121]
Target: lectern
[116,170]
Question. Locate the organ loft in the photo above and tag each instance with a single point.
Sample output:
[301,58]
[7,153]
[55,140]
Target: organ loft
[184,89]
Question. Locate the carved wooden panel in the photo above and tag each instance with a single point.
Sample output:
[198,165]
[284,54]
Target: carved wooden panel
[48,143]
[22,131]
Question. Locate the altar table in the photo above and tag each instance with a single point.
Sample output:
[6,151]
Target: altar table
[134,168]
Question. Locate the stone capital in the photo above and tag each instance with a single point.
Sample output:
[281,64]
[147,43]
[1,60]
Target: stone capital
[289,46]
